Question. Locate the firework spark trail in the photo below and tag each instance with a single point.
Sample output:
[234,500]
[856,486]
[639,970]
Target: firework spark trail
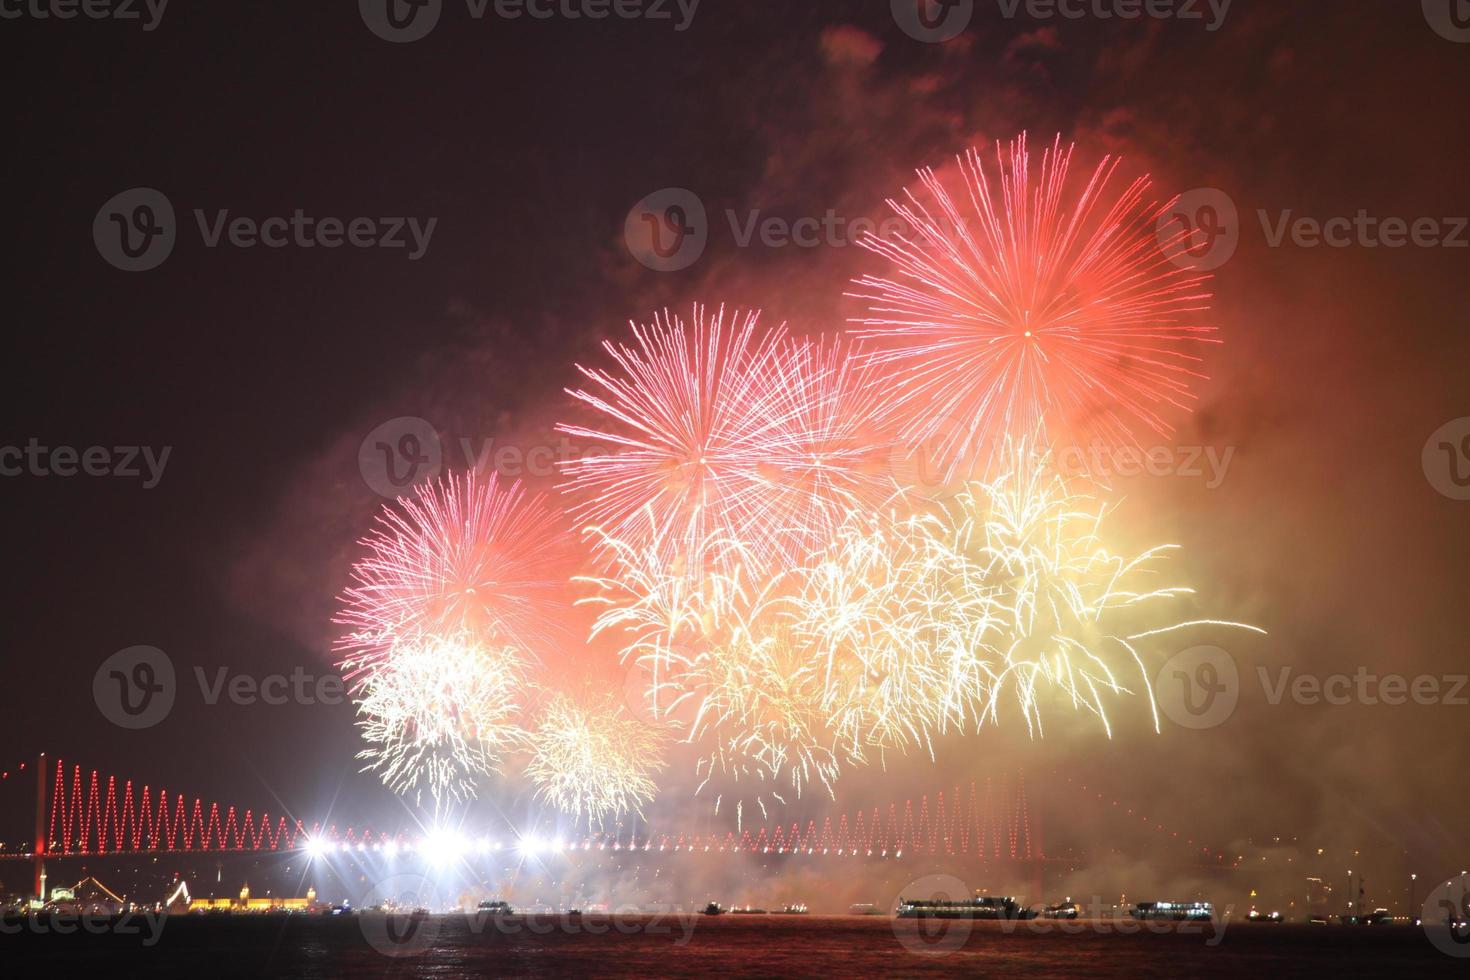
[1045,310]
[693,414]
[664,612]
[718,648]
[828,458]
[761,726]
[1070,607]
[592,760]
[728,433]
[908,626]
[439,713]
[875,610]
[466,554]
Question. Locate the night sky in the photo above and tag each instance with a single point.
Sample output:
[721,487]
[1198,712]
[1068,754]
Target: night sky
[529,141]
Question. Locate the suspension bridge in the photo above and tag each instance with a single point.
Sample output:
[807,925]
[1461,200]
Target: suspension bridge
[88,813]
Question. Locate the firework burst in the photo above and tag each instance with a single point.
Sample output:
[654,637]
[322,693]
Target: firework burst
[439,713]
[466,555]
[691,415]
[761,724]
[881,611]
[1068,612]
[828,458]
[593,760]
[1048,306]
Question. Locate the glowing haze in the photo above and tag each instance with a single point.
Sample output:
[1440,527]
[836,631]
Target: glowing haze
[795,609]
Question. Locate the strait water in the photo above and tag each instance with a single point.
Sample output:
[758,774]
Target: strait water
[727,946]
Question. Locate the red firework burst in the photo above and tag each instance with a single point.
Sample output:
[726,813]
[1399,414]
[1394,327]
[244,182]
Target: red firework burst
[691,416]
[460,556]
[1051,307]
[829,457]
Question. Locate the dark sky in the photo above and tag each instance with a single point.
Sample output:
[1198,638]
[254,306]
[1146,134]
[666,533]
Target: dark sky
[529,141]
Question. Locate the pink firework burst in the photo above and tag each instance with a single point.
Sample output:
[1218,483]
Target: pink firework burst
[691,415]
[830,455]
[1048,306]
[467,556]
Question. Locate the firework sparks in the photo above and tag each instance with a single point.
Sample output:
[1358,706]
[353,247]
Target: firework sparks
[1048,308]
[880,610]
[691,415]
[1070,611]
[761,723]
[440,713]
[726,432]
[828,458]
[593,760]
[461,555]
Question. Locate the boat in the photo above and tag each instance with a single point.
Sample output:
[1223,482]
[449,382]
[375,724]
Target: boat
[496,907]
[863,908]
[1172,911]
[713,908]
[1256,915]
[798,909]
[747,910]
[983,907]
[1065,910]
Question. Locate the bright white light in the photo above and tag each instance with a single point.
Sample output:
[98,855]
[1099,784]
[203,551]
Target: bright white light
[314,848]
[529,846]
[442,847]
[391,848]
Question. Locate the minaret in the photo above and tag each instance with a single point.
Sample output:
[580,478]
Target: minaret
[39,853]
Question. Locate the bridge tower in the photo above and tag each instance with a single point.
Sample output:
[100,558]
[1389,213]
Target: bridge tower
[39,854]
